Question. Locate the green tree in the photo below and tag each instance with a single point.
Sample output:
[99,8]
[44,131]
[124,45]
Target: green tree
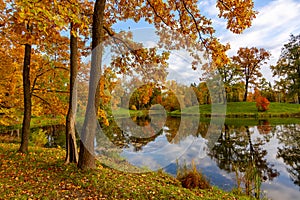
[266,89]
[288,67]
[230,74]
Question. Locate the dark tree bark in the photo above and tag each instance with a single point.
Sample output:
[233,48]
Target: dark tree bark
[71,146]
[246,90]
[298,89]
[27,100]
[86,154]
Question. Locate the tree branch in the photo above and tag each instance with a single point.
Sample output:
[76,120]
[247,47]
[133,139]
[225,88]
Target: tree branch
[196,24]
[224,4]
[160,17]
[34,95]
[111,34]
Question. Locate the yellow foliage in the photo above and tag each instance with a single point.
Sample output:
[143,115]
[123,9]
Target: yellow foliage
[102,115]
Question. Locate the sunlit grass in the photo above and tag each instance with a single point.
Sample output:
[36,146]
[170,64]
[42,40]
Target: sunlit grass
[243,109]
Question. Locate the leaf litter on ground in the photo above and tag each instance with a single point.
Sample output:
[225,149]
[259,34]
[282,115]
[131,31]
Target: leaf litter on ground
[42,174]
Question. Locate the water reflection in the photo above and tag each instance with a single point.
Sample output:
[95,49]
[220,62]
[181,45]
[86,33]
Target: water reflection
[289,137]
[257,158]
[238,152]
[55,134]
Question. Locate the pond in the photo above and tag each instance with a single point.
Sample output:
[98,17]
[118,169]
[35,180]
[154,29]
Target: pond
[261,157]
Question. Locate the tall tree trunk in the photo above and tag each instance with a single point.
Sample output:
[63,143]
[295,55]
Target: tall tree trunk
[71,146]
[86,154]
[246,91]
[27,100]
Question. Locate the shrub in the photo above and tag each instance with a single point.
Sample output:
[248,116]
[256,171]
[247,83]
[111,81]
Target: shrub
[39,138]
[192,178]
[262,103]
[133,107]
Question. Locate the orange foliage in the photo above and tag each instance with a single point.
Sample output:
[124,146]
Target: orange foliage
[262,103]
[264,127]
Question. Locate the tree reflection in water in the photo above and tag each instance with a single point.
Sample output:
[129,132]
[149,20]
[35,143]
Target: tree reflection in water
[236,151]
[289,136]
[239,150]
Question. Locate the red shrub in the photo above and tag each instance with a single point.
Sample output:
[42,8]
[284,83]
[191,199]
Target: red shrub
[262,103]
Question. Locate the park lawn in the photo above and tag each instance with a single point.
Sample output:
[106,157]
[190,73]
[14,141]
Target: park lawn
[123,112]
[242,109]
[231,109]
[42,174]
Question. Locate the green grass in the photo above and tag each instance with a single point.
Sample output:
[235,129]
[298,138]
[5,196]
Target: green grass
[36,122]
[41,174]
[123,112]
[243,109]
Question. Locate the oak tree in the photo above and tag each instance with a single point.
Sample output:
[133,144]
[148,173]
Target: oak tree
[250,61]
[179,25]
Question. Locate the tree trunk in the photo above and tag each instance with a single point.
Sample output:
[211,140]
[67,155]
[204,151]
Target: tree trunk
[71,146]
[246,91]
[27,100]
[86,154]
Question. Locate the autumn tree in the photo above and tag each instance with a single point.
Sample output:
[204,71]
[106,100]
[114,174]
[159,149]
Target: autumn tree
[288,66]
[78,19]
[10,82]
[202,93]
[40,24]
[86,153]
[179,24]
[71,146]
[250,61]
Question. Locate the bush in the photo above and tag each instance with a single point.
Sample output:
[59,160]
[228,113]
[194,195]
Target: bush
[262,103]
[133,107]
[192,178]
[39,138]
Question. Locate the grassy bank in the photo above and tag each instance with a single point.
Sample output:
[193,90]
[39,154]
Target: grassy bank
[41,174]
[242,109]
[36,122]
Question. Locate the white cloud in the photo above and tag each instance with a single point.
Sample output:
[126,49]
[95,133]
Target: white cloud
[181,68]
[270,30]
[208,7]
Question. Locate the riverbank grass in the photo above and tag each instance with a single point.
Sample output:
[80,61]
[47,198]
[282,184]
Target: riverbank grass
[42,174]
[242,109]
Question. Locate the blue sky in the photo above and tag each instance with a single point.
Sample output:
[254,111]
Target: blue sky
[276,20]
